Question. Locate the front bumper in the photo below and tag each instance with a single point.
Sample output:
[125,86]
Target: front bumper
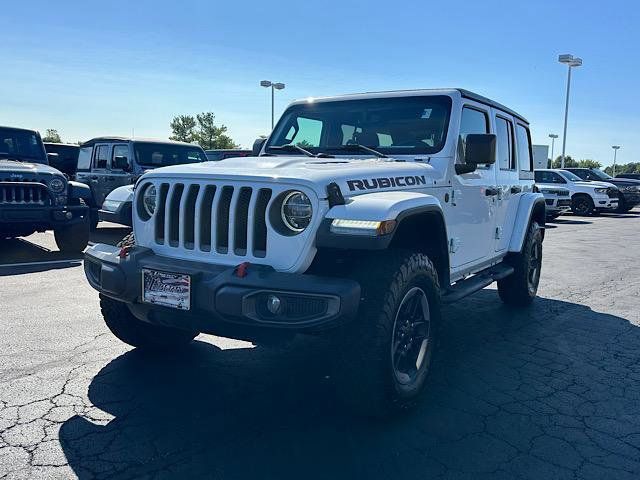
[631,199]
[121,216]
[42,216]
[603,202]
[556,206]
[223,303]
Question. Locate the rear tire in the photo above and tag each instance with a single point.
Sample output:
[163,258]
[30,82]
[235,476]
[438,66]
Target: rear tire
[127,328]
[521,287]
[74,238]
[582,205]
[385,353]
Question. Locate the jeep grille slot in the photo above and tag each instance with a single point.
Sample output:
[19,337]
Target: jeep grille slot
[187,214]
[172,227]
[260,223]
[222,230]
[203,218]
[242,221]
[160,214]
[24,193]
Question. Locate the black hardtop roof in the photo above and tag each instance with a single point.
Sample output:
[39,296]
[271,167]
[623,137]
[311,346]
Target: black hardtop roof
[62,144]
[18,129]
[217,150]
[113,139]
[487,101]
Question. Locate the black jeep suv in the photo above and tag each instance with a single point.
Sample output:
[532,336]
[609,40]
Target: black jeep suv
[35,197]
[629,188]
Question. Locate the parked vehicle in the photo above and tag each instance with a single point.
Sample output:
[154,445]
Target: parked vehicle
[215,155]
[355,220]
[35,197]
[63,157]
[557,200]
[586,197]
[629,188]
[106,163]
[116,208]
[634,176]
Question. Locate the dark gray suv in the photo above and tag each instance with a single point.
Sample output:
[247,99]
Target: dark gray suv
[106,163]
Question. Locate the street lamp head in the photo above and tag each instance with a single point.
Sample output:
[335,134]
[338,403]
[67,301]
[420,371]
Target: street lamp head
[553,135]
[278,86]
[615,147]
[570,60]
[265,83]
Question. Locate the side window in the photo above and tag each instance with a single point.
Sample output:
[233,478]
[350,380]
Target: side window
[84,158]
[101,156]
[120,151]
[557,178]
[472,121]
[504,145]
[524,149]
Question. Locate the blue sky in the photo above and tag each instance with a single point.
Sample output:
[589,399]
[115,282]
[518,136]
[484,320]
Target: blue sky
[91,68]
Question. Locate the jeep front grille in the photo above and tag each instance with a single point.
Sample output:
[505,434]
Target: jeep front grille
[24,193]
[219,218]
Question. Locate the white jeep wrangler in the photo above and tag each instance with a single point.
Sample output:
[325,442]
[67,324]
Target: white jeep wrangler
[356,219]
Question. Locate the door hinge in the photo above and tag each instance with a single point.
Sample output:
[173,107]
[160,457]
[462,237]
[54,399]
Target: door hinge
[498,233]
[454,244]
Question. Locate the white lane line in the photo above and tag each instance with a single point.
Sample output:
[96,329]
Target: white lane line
[45,262]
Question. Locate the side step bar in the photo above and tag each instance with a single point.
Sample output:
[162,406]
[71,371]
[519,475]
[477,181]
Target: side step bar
[477,282]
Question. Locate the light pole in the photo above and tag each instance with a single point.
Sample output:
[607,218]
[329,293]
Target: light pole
[553,137]
[615,154]
[274,86]
[571,62]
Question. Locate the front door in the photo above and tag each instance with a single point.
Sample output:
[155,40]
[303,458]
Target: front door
[471,226]
[119,167]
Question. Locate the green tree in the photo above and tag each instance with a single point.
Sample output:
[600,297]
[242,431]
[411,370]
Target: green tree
[183,128]
[568,162]
[52,136]
[633,167]
[588,163]
[210,136]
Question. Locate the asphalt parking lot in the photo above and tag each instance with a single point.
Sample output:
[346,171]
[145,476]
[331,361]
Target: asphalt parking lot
[550,392]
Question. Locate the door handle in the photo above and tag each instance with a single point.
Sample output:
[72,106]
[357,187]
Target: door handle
[491,192]
[516,190]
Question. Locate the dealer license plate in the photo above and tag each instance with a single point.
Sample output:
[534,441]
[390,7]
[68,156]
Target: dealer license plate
[166,289]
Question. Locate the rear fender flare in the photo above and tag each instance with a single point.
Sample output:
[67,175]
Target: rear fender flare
[530,207]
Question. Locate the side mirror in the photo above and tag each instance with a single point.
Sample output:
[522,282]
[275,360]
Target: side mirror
[480,149]
[257,146]
[120,162]
[53,157]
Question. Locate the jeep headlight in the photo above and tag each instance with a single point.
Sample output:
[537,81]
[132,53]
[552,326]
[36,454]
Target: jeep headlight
[601,190]
[296,211]
[149,199]
[57,185]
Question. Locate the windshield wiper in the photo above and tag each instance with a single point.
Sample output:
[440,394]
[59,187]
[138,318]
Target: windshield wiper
[357,146]
[292,147]
[6,156]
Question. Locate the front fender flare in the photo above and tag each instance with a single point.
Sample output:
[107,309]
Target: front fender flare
[379,206]
[529,207]
[80,190]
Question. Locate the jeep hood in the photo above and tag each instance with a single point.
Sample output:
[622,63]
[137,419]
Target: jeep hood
[26,168]
[353,175]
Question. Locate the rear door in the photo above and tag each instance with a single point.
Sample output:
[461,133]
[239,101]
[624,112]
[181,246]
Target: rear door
[508,181]
[98,179]
[119,176]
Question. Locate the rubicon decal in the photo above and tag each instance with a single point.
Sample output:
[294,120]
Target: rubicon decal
[386,182]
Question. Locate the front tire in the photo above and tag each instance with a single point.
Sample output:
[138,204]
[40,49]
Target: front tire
[127,328]
[582,205]
[385,354]
[73,238]
[521,287]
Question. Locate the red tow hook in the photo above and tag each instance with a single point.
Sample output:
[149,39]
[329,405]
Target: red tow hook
[124,252]
[241,270]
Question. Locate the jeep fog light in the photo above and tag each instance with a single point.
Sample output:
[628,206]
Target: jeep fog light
[367,228]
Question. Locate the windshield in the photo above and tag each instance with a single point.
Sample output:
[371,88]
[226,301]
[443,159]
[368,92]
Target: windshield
[21,145]
[571,176]
[600,174]
[164,154]
[392,126]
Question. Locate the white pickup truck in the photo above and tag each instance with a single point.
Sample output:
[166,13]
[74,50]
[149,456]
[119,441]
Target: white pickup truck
[356,219]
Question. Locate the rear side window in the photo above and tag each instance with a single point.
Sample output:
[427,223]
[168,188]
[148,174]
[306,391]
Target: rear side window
[504,144]
[525,163]
[102,156]
[120,151]
[84,158]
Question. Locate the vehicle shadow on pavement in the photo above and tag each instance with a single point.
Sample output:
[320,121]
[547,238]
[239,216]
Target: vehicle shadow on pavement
[548,392]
